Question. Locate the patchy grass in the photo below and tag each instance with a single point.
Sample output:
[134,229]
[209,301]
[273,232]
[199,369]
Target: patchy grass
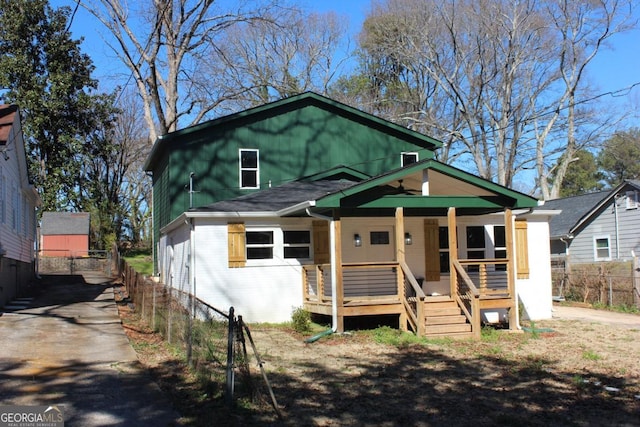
[388,377]
[142,262]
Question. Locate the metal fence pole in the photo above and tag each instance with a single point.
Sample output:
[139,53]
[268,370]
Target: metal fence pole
[230,356]
[636,281]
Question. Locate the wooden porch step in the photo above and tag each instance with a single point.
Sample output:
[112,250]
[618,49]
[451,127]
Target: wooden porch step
[446,320]
[432,330]
[448,310]
[454,335]
[439,298]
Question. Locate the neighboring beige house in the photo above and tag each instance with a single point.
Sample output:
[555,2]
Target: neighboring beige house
[18,203]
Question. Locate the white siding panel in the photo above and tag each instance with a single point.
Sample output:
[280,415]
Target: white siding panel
[535,292]
[18,244]
[259,293]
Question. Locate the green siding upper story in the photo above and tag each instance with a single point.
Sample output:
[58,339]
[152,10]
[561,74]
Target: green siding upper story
[296,137]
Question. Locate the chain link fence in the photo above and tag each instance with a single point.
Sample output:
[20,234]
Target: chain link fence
[606,283]
[213,341]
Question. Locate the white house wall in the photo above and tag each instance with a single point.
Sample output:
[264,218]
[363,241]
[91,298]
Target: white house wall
[269,290]
[535,292]
[17,222]
[263,290]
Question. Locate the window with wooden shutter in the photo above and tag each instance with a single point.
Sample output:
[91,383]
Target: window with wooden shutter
[522,249]
[321,250]
[237,255]
[432,249]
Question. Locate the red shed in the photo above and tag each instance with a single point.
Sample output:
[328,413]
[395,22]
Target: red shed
[65,234]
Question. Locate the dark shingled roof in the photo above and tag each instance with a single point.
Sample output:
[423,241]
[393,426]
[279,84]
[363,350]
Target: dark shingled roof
[280,197]
[574,209]
[65,223]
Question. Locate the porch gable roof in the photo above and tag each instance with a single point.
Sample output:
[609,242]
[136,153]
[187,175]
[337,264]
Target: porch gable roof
[452,187]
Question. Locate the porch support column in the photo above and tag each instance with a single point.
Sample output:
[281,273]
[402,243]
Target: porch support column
[400,249]
[453,249]
[511,268]
[400,258]
[339,296]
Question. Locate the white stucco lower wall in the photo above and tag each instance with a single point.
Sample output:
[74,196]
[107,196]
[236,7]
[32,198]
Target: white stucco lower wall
[535,293]
[262,291]
[269,290]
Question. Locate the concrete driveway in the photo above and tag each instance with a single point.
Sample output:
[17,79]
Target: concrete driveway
[623,320]
[68,348]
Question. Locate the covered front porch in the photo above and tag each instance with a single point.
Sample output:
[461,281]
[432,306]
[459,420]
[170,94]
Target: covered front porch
[445,261]
[478,289]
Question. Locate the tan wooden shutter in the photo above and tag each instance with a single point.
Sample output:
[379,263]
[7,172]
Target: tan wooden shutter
[237,255]
[321,250]
[432,249]
[522,250]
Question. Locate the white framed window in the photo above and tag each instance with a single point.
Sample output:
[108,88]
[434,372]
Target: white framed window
[476,244]
[3,199]
[602,248]
[443,243]
[25,217]
[296,244]
[631,201]
[249,160]
[15,220]
[266,245]
[407,158]
[499,245]
[259,244]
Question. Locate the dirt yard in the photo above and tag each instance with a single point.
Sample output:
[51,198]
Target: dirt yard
[561,373]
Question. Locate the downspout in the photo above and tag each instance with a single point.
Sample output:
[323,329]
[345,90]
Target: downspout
[515,282]
[192,265]
[615,212]
[334,272]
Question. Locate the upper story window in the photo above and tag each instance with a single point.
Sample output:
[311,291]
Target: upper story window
[15,218]
[249,168]
[408,158]
[631,200]
[3,199]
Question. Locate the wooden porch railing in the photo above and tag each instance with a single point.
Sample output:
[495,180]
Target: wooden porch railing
[491,275]
[473,281]
[361,282]
[467,296]
[413,301]
[492,278]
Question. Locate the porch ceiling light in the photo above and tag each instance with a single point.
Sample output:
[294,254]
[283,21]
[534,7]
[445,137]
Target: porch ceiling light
[357,240]
[408,239]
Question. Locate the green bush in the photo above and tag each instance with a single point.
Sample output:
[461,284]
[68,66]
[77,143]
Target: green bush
[301,320]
